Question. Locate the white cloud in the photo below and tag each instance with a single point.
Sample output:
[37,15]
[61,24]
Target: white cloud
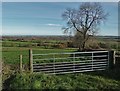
[55,25]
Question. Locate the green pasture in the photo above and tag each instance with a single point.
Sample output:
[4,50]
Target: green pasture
[10,55]
[11,50]
[99,80]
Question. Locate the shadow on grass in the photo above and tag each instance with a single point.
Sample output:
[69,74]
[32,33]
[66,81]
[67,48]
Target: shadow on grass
[113,74]
[6,84]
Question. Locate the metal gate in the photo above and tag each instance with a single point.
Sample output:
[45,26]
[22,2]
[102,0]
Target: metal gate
[60,63]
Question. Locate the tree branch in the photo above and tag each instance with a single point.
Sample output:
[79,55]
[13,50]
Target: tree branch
[74,25]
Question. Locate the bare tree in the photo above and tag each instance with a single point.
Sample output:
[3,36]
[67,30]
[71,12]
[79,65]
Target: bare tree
[84,20]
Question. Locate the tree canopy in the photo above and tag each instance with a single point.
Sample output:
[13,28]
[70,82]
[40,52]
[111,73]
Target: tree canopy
[84,20]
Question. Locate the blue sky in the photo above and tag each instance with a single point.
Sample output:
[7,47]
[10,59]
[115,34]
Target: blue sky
[38,18]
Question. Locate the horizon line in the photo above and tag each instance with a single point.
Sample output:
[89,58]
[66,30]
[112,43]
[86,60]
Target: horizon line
[56,35]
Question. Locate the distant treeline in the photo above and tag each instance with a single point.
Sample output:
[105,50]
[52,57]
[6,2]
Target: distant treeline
[106,42]
[29,38]
[33,37]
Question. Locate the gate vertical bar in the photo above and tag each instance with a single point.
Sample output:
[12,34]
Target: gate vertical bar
[74,62]
[54,62]
[92,60]
[108,60]
[31,60]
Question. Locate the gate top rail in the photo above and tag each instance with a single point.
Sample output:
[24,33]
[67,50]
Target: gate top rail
[71,53]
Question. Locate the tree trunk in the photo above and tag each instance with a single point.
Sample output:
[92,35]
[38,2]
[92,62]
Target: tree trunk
[84,38]
[82,46]
[80,49]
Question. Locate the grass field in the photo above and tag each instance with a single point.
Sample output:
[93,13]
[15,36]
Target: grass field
[11,54]
[11,50]
[92,80]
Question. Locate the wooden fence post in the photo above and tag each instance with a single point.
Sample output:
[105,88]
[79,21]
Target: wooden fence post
[111,59]
[20,63]
[114,58]
[31,60]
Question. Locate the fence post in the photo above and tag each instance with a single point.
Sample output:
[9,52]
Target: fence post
[111,59]
[114,58]
[31,60]
[20,63]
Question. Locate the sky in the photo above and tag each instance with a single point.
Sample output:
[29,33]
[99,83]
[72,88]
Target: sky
[60,0]
[44,18]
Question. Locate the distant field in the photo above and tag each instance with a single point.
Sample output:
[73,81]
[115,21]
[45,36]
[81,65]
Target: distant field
[106,42]
[14,46]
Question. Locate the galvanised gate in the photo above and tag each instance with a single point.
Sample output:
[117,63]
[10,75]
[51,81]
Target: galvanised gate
[61,63]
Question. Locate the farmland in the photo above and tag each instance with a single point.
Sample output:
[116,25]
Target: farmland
[11,54]
[12,47]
